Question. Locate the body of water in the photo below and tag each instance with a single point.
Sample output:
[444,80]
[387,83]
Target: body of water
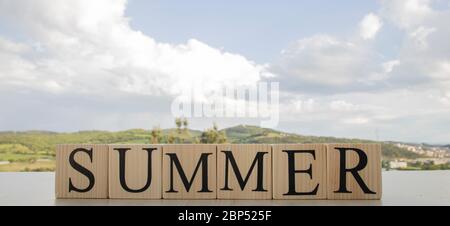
[399,188]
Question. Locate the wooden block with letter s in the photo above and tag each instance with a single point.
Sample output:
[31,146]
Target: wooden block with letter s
[244,171]
[135,171]
[81,171]
[354,171]
[299,171]
[189,171]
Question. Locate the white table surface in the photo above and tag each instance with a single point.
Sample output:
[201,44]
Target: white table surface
[399,188]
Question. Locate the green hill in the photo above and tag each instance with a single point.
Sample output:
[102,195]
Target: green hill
[252,134]
[35,150]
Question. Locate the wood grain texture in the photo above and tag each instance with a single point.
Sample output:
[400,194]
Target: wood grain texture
[137,184]
[244,156]
[310,180]
[189,157]
[341,171]
[95,160]
[370,174]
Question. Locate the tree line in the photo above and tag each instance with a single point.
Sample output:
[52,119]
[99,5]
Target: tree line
[182,135]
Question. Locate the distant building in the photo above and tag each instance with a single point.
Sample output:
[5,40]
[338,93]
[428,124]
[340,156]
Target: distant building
[397,164]
[430,152]
[441,161]
[434,161]
[4,162]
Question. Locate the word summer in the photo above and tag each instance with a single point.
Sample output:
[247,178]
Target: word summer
[228,171]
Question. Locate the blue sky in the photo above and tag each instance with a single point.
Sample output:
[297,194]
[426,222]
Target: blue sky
[344,68]
[257,29]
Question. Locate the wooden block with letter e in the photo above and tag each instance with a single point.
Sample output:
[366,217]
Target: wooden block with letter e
[135,171]
[354,171]
[299,171]
[81,171]
[189,172]
[244,171]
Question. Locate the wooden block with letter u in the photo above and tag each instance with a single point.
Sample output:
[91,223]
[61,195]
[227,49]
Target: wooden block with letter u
[81,171]
[189,172]
[299,171]
[354,171]
[135,172]
[244,171]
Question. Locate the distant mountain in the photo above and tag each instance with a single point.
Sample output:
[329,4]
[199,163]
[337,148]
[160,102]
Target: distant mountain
[15,145]
[252,134]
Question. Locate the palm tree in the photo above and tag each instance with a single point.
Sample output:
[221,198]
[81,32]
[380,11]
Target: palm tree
[179,123]
[170,139]
[156,135]
[185,125]
[213,136]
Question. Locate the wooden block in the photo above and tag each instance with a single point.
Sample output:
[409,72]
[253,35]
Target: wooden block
[354,171]
[189,172]
[81,171]
[135,171]
[299,171]
[244,171]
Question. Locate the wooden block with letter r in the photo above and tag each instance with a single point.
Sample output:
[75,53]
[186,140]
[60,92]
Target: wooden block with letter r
[135,171]
[81,171]
[299,171]
[354,171]
[189,172]
[244,171]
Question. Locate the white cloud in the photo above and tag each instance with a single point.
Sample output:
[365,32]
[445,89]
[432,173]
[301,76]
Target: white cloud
[415,114]
[302,106]
[407,13]
[325,62]
[424,53]
[356,88]
[88,46]
[85,56]
[356,120]
[445,98]
[384,73]
[341,105]
[369,26]
[389,66]
[8,46]
[420,37]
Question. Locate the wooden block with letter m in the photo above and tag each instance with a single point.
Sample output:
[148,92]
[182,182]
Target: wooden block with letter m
[244,171]
[354,171]
[189,172]
[81,171]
